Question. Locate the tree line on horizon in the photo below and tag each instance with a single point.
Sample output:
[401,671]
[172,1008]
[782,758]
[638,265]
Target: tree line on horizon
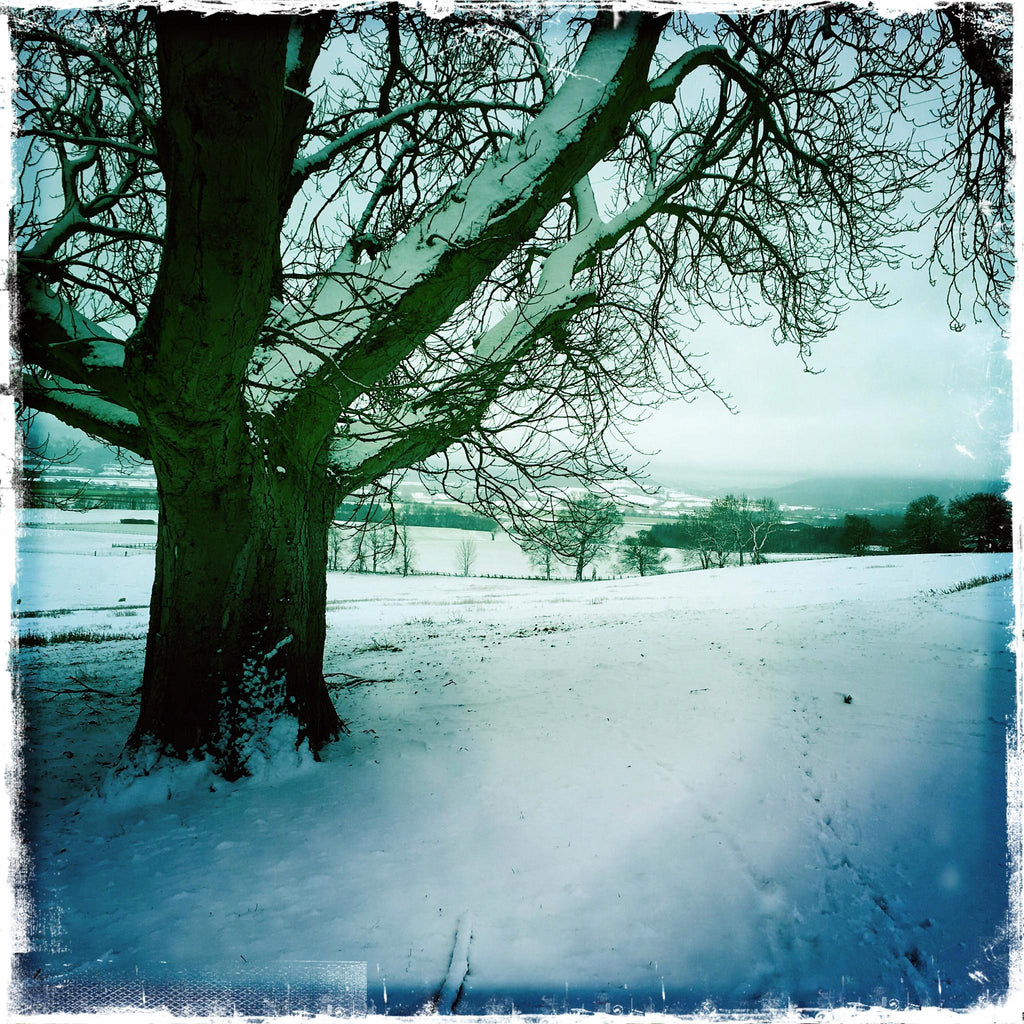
[975,522]
[580,531]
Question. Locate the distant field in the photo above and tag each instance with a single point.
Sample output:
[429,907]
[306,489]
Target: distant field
[98,535]
[105,561]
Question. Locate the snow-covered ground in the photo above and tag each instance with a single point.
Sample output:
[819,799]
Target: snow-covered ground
[635,794]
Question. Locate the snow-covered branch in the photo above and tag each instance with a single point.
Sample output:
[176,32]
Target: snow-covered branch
[663,88]
[434,268]
[54,336]
[81,407]
[431,424]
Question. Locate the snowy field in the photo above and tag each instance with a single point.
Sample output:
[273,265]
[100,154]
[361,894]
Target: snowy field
[637,794]
[110,560]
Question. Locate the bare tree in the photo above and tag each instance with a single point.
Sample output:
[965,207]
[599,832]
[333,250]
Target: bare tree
[406,550]
[282,284]
[581,530]
[718,525]
[762,517]
[698,535]
[335,548]
[641,553]
[730,515]
[539,550]
[465,556]
[374,544]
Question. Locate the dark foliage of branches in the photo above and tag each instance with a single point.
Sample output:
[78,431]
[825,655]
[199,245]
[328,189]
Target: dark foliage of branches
[420,514]
[858,534]
[788,538]
[982,522]
[777,193]
[926,527]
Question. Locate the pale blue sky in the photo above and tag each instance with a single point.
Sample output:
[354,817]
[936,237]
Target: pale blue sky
[899,394]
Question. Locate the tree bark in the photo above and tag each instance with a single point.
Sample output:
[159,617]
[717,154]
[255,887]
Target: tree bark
[237,617]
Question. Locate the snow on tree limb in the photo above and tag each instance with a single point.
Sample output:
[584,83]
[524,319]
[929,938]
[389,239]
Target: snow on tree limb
[81,407]
[56,337]
[428,273]
[366,451]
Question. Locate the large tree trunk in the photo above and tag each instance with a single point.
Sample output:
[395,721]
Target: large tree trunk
[237,618]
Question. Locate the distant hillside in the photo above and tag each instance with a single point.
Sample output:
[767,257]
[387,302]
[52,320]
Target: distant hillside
[884,493]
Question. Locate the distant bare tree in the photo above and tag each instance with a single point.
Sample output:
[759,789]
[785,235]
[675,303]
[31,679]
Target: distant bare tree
[699,535]
[374,545]
[762,516]
[581,530]
[731,512]
[641,553]
[405,549]
[539,551]
[465,556]
[719,525]
[335,548]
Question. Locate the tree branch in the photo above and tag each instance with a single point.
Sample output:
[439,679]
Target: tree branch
[435,267]
[54,336]
[83,408]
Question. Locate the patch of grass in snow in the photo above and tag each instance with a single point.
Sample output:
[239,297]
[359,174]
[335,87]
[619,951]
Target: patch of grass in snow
[74,636]
[49,613]
[977,581]
[377,645]
[56,613]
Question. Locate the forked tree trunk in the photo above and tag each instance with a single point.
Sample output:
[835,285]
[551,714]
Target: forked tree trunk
[236,633]
[237,617]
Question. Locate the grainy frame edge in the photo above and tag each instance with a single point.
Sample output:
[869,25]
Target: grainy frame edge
[12,933]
